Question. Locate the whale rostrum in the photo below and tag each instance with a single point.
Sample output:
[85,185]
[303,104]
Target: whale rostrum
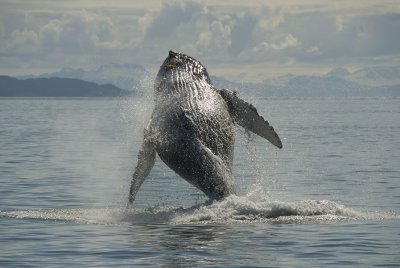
[192,128]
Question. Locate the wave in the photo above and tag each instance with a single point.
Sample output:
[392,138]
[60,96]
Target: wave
[234,209]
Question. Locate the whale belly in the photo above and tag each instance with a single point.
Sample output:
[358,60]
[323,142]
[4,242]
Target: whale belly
[196,140]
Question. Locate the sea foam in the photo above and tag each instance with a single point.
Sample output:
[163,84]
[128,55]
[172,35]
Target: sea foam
[231,210]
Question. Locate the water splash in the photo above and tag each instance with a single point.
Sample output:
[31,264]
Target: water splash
[236,209]
[232,210]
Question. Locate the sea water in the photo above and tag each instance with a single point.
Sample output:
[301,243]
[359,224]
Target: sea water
[329,198]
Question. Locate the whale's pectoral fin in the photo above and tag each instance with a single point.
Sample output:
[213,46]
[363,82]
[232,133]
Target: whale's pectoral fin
[146,159]
[246,115]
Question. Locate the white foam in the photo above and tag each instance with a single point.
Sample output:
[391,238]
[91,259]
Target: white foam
[79,215]
[234,209]
[244,210]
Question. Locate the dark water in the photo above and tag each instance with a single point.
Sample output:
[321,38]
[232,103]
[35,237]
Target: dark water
[330,197]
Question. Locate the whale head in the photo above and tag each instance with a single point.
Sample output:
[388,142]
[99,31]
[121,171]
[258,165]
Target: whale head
[178,66]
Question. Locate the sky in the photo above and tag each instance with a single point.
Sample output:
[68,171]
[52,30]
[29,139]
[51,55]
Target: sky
[239,40]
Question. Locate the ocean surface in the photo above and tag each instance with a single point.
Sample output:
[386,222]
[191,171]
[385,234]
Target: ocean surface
[329,198]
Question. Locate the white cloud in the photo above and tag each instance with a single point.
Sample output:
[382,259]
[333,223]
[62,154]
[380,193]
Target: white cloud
[339,23]
[214,32]
[215,35]
[313,49]
[22,41]
[267,49]
[170,17]
[85,37]
[270,19]
[289,41]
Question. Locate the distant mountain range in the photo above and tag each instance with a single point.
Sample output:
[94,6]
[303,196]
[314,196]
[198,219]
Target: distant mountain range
[57,87]
[131,79]
[124,76]
[371,81]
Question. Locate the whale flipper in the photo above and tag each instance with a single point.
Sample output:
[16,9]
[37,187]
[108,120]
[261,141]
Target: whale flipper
[146,159]
[246,115]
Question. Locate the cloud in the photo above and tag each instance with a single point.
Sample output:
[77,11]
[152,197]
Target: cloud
[214,36]
[375,35]
[22,41]
[174,26]
[339,23]
[64,38]
[217,34]
[242,32]
[78,31]
[314,49]
[206,32]
[289,41]
[171,16]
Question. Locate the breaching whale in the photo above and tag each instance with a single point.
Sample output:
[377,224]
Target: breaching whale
[192,128]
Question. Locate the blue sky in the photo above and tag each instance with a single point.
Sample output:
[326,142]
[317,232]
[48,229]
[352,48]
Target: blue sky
[236,39]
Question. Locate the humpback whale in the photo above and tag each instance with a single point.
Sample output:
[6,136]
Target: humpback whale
[192,128]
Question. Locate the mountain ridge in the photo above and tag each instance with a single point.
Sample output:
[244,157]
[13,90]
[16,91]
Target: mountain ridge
[58,87]
[339,81]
